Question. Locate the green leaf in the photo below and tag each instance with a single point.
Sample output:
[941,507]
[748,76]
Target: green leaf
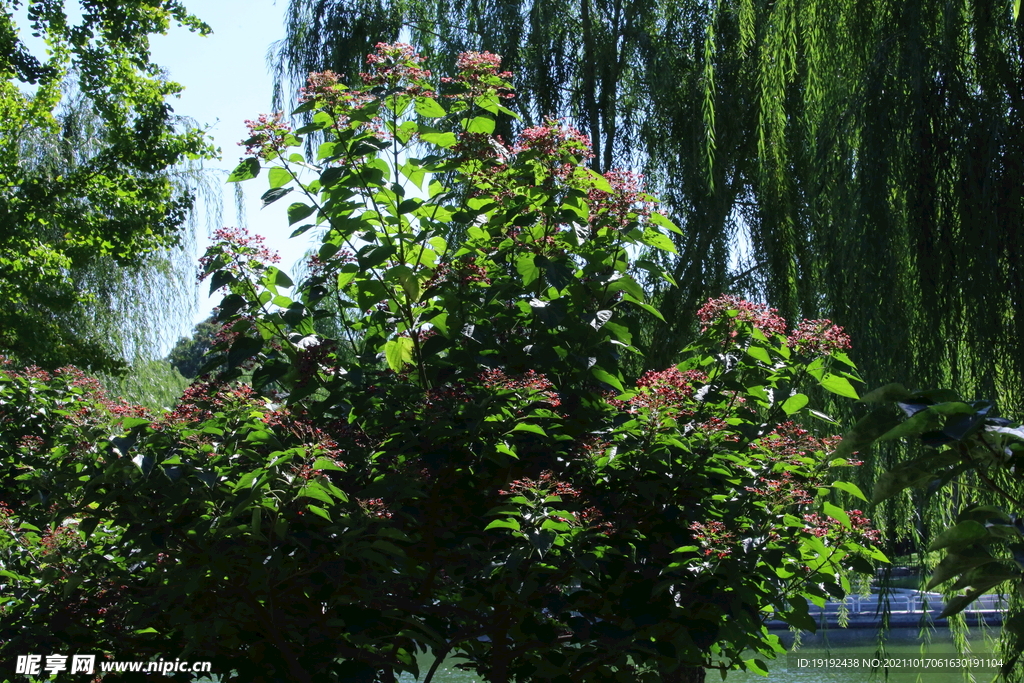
[510,523]
[278,177]
[527,268]
[320,512]
[664,222]
[272,195]
[653,238]
[317,492]
[526,427]
[839,385]
[759,353]
[850,488]
[647,307]
[604,376]
[887,394]
[954,564]
[963,534]
[794,404]
[480,124]
[440,139]
[428,107]
[321,464]
[298,211]
[398,352]
[837,513]
[248,169]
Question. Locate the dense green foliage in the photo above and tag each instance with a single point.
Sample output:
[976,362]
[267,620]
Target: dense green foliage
[477,478]
[87,143]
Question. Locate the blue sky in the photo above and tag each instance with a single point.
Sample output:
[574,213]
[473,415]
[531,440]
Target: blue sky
[227,81]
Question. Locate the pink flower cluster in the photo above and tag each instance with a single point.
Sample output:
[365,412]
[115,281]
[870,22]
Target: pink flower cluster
[666,391]
[397,64]
[818,338]
[266,135]
[760,316]
[782,492]
[547,485]
[827,527]
[790,440]
[531,381]
[625,204]
[376,507]
[325,90]
[479,73]
[556,145]
[237,249]
[715,538]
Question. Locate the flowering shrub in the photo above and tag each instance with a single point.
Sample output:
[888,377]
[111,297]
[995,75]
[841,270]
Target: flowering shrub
[474,475]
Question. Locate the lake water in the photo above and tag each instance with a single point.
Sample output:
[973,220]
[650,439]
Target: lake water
[839,648]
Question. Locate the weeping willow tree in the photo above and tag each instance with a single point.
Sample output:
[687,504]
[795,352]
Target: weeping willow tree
[96,186]
[866,159]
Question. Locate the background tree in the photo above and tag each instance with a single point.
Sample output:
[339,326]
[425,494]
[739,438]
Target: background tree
[90,149]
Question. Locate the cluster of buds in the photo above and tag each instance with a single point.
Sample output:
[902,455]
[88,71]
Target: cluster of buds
[325,90]
[555,145]
[818,338]
[626,204]
[827,527]
[376,507]
[395,65]
[480,74]
[760,316]
[714,538]
[236,251]
[531,381]
[784,491]
[789,442]
[267,135]
[666,392]
[543,487]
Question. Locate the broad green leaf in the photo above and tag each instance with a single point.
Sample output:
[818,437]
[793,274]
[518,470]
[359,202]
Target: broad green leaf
[527,268]
[320,512]
[837,513]
[480,124]
[298,211]
[759,353]
[271,196]
[398,352]
[653,238]
[326,464]
[647,307]
[510,523]
[440,139]
[248,169]
[526,427]
[603,375]
[850,488]
[839,385]
[963,534]
[887,394]
[278,177]
[428,107]
[954,564]
[794,403]
[663,221]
